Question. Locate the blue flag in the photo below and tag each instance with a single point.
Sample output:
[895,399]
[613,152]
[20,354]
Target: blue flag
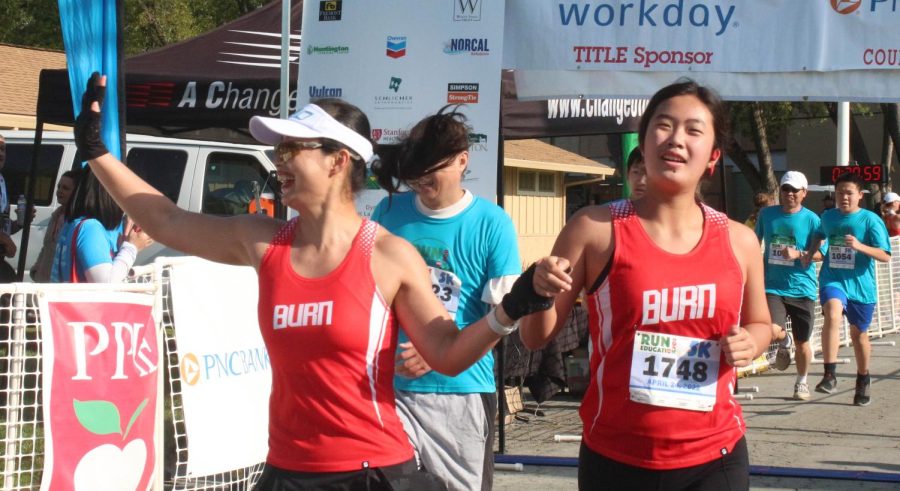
[90,35]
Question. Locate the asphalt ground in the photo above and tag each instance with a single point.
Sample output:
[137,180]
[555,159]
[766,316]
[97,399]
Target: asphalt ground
[826,443]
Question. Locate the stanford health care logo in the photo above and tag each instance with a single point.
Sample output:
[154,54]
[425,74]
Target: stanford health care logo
[845,6]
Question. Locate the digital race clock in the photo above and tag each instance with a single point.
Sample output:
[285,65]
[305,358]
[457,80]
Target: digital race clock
[868,173]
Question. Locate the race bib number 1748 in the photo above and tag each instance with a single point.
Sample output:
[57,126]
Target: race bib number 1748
[674,371]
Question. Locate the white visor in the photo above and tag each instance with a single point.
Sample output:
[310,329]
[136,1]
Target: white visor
[309,122]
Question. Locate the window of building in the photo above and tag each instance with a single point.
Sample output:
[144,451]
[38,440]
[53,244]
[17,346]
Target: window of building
[536,183]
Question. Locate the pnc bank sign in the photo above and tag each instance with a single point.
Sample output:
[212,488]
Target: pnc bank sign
[227,364]
[846,7]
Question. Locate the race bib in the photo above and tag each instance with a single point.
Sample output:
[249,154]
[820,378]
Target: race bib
[674,371]
[778,255]
[446,287]
[841,257]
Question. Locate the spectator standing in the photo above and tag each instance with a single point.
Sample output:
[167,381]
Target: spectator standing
[471,250]
[890,213]
[8,227]
[787,231]
[94,245]
[40,271]
[760,201]
[856,239]
[827,202]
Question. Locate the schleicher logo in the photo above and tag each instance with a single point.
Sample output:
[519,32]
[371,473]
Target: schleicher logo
[845,6]
[396,46]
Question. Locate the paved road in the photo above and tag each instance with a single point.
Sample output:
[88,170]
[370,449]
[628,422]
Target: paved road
[826,434]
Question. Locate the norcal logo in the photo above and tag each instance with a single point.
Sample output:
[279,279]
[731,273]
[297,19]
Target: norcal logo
[462,93]
[466,10]
[330,10]
[323,92]
[396,46]
[474,46]
[845,7]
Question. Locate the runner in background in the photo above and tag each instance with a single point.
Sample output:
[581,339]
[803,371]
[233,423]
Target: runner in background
[787,231]
[332,288]
[676,301]
[856,239]
[890,213]
[637,174]
[471,250]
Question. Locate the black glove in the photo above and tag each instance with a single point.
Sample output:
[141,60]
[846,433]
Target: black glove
[522,299]
[87,124]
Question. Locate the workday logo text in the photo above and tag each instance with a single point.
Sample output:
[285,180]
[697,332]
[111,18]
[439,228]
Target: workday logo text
[699,14]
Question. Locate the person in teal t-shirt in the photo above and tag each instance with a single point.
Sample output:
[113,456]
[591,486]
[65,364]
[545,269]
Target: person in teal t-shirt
[471,250]
[856,239]
[787,229]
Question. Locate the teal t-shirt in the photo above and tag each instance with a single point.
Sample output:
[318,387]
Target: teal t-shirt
[464,252]
[845,268]
[93,245]
[780,230]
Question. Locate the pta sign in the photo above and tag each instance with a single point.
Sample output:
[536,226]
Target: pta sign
[124,339]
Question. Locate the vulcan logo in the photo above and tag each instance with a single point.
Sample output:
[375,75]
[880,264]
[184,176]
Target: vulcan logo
[679,303]
[323,92]
[647,13]
[461,93]
[315,314]
[474,46]
[396,46]
[466,10]
[330,10]
[845,7]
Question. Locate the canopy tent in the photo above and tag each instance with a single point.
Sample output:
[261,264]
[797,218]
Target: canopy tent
[209,86]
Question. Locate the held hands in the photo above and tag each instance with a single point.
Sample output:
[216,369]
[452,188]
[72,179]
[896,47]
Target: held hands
[535,289]
[409,363]
[792,253]
[738,346]
[87,124]
[851,242]
[136,235]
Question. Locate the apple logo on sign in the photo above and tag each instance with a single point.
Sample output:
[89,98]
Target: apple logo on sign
[108,467]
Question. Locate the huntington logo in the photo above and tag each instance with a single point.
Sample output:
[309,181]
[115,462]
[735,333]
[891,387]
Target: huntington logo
[328,50]
[396,46]
[330,10]
[845,7]
[395,84]
[466,10]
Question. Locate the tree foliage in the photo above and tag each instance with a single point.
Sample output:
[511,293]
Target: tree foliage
[149,24]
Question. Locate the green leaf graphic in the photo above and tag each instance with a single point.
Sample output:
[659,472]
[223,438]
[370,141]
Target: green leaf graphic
[98,417]
[137,412]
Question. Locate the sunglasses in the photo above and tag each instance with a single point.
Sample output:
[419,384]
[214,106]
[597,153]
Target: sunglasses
[789,189]
[428,172]
[287,150]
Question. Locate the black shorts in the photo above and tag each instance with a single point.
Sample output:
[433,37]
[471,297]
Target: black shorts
[800,310]
[400,477]
[731,472]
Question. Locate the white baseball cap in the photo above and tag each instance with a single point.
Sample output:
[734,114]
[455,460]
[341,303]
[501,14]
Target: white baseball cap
[891,198]
[794,179]
[309,122]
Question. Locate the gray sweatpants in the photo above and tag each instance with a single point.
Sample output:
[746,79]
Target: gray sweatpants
[453,435]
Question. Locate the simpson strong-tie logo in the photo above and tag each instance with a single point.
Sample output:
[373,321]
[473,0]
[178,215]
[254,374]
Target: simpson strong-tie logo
[462,93]
[466,10]
[396,46]
[330,10]
[845,6]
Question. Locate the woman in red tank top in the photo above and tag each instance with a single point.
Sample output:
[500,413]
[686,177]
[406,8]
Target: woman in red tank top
[333,289]
[676,301]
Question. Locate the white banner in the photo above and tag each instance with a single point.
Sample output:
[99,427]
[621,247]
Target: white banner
[703,35]
[225,372]
[823,50]
[402,60]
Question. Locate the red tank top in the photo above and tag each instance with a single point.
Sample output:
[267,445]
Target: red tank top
[660,392]
[331,342]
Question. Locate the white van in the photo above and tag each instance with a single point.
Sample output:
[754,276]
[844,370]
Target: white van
[206,177]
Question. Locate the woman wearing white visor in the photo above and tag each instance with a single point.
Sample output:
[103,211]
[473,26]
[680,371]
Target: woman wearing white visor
[332,288]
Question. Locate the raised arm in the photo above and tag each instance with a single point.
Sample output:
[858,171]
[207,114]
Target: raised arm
[237,240]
